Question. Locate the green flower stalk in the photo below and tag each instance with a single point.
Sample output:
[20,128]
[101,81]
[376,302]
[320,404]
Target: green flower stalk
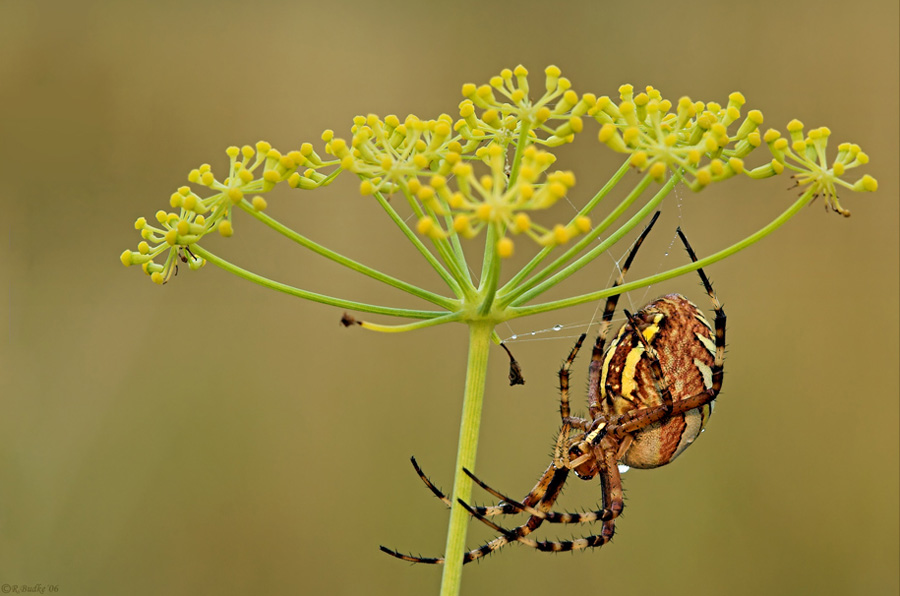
[489,173]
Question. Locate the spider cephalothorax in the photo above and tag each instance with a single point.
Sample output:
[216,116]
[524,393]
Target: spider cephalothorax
[650,393]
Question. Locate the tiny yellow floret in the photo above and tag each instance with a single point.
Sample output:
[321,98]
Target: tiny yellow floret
[259,203]
[484,211]
[505,248]
[658,170]
[225,228]
[462,224]
[866,183]
[560,234]
[425,225]
[704,177]
[521,223]
[583,224]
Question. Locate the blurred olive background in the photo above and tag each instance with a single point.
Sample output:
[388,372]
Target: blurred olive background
[211,436]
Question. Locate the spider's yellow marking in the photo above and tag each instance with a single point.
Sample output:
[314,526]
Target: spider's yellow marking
[629,385]
[631,362]
[699,316]
[705,372]
[593,434]
[610,352]
[653,329]
[708,343]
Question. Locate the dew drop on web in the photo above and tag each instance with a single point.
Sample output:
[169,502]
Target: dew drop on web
[514,337]
[557,327]
[623,468]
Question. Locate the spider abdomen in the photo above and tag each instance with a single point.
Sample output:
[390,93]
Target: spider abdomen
[684,343]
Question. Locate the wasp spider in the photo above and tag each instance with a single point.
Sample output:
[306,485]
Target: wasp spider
[649,395]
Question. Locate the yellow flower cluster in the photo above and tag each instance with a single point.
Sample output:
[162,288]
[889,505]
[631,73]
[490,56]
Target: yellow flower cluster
[432,162]
[489,167]
[387,153]
[474,202]
[196,216]
[806,155]
[693,138]
[553,119]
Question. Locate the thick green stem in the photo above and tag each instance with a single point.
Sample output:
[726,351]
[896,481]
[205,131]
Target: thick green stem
[476,373]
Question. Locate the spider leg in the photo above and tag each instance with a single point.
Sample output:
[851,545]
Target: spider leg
[542,496]
[412,558]
[596,366]
[612,495]
[548,516]
[639,419]
[437,492]
[552,480]
[488,511]
[564,380]
[559,459]
[718,364]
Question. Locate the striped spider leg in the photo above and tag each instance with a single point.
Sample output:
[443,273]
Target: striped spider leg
[538,502]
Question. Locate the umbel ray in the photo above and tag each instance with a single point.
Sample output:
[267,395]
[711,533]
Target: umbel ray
[650,393]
